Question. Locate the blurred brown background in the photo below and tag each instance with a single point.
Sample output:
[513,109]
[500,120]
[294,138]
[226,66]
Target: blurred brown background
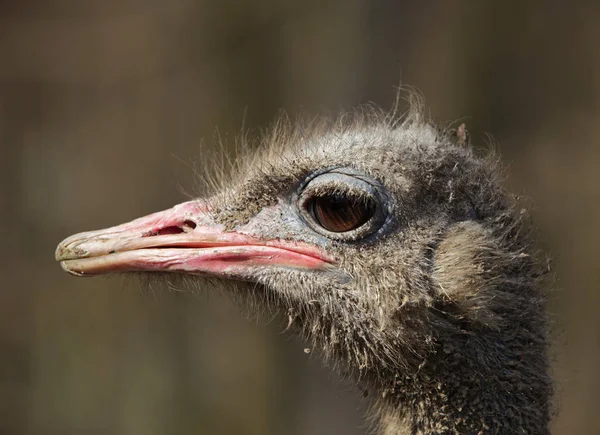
[103,105]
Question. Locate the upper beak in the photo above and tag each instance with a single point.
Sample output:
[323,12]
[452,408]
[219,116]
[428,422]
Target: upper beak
[182,239]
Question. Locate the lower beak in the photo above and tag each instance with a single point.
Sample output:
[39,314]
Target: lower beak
[182,239]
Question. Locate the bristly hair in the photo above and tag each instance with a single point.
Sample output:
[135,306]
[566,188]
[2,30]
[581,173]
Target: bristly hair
[221,171]
[470,291]
[286,135]
[251,149]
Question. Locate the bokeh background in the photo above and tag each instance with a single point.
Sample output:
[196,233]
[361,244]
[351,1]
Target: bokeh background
[103,107]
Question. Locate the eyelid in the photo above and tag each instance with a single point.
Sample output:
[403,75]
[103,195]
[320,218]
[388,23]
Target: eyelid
[332,182]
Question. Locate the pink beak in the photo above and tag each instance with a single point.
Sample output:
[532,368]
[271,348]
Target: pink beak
[182,239]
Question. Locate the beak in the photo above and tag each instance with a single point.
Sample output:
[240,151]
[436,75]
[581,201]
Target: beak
[183,239]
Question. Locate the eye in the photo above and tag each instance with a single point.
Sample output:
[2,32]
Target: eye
[339,213]
[344,204]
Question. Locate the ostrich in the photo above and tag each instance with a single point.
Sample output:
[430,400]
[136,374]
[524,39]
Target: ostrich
[392,248]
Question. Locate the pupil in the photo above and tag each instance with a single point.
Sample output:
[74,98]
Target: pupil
[337,213]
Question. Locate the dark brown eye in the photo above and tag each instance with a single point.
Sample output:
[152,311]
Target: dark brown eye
[339,214]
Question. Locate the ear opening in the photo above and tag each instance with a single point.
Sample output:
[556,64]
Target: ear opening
[462,275]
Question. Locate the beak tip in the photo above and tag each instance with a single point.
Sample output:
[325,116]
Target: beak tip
[67,250]
[59,254]
[65,267]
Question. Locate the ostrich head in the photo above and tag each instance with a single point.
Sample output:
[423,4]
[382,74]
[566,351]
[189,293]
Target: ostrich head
[390,246]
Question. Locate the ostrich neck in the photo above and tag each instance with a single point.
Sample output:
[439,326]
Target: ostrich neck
[484,383]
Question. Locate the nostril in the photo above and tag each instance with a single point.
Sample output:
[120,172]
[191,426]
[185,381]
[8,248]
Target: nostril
[169,230]
[186,227]
[164,231]
[190,224]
